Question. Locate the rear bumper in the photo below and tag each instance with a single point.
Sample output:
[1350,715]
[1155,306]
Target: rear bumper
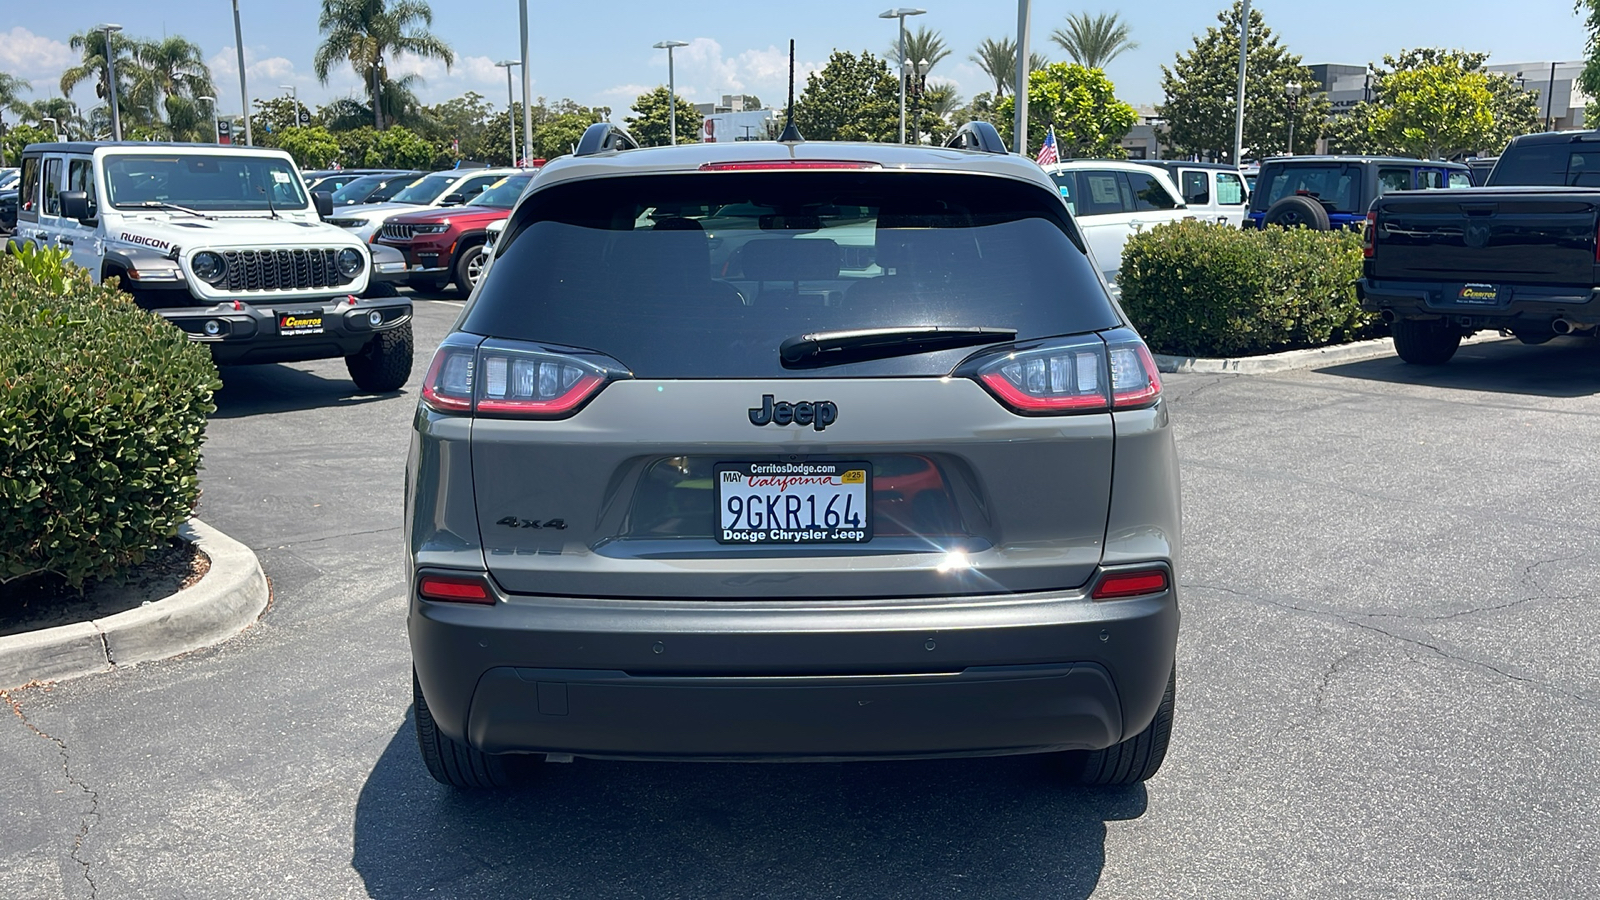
[1534,304]
[793,679]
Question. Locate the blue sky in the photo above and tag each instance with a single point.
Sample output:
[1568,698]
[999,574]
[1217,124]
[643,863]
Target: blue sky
[599,53]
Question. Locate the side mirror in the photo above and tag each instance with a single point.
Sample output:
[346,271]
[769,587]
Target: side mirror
[323,201]
[452,200]
[75,205]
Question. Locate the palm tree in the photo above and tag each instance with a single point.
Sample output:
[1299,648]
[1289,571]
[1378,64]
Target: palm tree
[64,111]
[998,60]
[922,46]
[92,44]
[1094,41]
[365,32]
[11,88]
[172,74]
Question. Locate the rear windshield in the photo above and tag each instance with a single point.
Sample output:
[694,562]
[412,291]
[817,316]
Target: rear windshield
[706,275]
[1336,185]
[1548,165]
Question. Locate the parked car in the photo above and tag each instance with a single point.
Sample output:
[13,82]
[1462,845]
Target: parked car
[1111,200]
[451,188]
[224,243]
[1326,193]
[1213,192]
[1518,255]
[8,211]
[1481,167]
[443,245]
[331,180]
[374,188]
[804,512]
[9,178]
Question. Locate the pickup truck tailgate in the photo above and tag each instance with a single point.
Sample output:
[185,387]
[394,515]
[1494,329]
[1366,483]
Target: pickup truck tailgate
[1521,236]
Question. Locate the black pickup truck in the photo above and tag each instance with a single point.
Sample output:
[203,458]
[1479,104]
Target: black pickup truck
[1520,255]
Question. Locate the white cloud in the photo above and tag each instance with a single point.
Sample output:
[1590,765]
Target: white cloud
[705,72]
[34,57]
[628,91]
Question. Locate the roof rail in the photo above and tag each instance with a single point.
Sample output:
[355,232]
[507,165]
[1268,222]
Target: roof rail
[980,136]
[602,137]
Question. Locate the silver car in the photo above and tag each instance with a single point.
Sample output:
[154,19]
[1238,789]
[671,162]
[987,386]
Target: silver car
[792,451]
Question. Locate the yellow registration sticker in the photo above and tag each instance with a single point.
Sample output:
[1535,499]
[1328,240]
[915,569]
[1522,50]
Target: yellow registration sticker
[854,476]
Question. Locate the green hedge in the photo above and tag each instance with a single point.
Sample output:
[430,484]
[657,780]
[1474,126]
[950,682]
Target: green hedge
[1194,289]
[102,413]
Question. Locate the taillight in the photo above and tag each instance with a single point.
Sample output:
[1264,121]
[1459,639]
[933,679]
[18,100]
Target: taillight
[455,589]
[1076,375]
[1124,585]
[1369,236]
[501,378]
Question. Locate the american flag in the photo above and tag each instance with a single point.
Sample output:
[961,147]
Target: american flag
[1047,153]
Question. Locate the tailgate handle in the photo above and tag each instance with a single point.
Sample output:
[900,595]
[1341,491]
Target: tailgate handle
[1480,209]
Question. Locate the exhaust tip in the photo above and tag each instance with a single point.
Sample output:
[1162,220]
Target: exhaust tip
[1562,326]
[1388,316]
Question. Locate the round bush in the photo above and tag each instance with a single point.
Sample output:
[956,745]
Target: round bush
[102,414]
[1194,289]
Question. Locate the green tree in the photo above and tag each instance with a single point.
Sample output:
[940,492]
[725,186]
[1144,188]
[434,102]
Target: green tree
[92,65]
[923,45]
[1094,41]
[270,116]
[11,88]
[20,136]
[1081,104]
[998,60]
[59,108]
[313,147]
[368,33]
[558,126]
[1201,85]
[853,98]
[171,75]
[1433,103]
[1589,80]
[649,126]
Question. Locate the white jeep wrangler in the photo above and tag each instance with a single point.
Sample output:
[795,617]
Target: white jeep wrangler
[224,243]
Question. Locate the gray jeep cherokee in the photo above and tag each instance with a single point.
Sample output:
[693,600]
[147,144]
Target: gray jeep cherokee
[792,451]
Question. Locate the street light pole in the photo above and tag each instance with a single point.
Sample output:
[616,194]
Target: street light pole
[1291,93]
[900,13]
[244,93]
[1019,140]
[1238,115]
[511,105]
[527,86]
[294,97]
[672,88]
[211,105]
[111,80]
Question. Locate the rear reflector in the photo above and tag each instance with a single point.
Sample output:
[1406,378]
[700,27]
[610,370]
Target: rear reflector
[455,589]
[764,165]
[1122,585]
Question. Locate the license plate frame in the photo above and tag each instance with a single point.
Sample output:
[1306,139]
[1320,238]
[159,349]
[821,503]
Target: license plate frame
[847,488]
[292,324]
[1477,294]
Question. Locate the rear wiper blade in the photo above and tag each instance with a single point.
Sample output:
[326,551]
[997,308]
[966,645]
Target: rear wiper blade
[831,348]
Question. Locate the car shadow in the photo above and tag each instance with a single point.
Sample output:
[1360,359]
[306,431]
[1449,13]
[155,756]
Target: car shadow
[1564,367]
[944,828]
[254,390]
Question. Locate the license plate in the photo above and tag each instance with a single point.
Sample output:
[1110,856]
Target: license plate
[794,502]
[300,323]
[1486,294]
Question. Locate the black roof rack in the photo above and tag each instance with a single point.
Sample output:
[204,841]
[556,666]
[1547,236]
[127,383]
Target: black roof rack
[980,136]
[604,137]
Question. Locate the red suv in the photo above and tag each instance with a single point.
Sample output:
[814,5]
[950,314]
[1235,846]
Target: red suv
[447,244]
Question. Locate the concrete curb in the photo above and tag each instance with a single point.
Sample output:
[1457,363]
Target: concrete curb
[1291,359]
[230,596]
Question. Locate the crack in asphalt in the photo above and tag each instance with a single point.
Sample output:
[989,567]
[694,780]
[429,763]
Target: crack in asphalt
[331,537]
[1527,579]
[1405,639]
[66,769]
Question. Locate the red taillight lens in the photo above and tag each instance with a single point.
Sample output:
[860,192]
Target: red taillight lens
[455,589]
[766,165]
[1123,585]
[1076,376]
[1369,236]
[511,381]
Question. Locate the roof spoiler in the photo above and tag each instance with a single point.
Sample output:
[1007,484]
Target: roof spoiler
[980,136]
[604,137]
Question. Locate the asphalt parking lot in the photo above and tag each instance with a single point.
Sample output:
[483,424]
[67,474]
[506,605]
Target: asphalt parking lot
[1388,688]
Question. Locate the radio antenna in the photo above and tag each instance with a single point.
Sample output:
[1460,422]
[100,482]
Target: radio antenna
[791,134]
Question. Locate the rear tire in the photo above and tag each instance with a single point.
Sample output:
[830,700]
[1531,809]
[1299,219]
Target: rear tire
[1425,342]
[384,364]
[451,762]
[1136,759]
